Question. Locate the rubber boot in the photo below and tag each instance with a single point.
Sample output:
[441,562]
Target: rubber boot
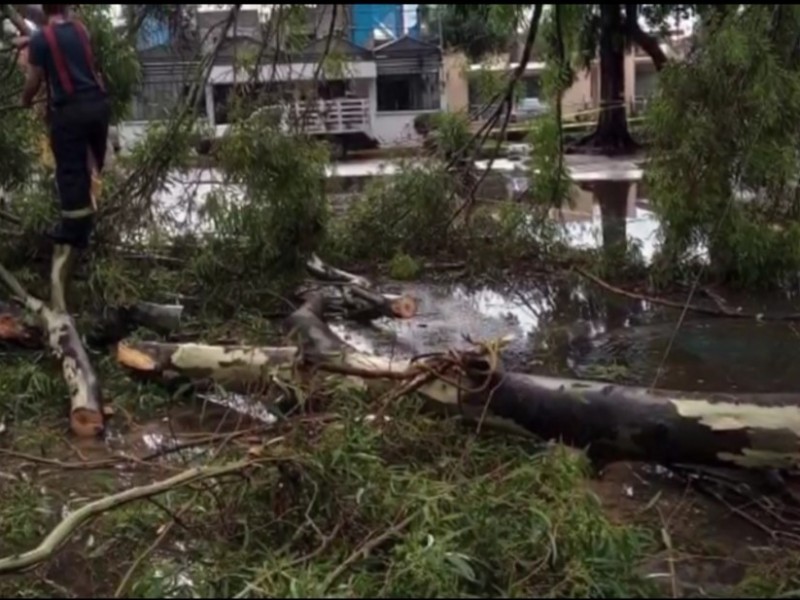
[64,259]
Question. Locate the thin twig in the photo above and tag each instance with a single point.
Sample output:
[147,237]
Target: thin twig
[365,549]
[123,584]
[705,310]
[116,460]
[59,535]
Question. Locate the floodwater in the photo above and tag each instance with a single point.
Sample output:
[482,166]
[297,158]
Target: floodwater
[584,217]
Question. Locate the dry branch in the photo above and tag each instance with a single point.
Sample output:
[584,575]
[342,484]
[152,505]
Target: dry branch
[72,522]
[720,311]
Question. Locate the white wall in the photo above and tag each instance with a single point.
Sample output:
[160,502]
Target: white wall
[396,128]
[393,129]
[131,132]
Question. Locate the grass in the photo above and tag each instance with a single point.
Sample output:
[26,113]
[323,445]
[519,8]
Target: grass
[354,507]
[341,507]
[349,505]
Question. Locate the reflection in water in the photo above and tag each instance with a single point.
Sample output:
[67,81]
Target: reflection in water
[569,329]
[539,318]
[181,207]
[707,354]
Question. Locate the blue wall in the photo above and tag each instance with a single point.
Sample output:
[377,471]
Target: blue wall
[154,32]
[368,17]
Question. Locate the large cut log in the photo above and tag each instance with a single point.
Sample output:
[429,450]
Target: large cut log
[86,403]
[237,368]
[612,422]
[629,423]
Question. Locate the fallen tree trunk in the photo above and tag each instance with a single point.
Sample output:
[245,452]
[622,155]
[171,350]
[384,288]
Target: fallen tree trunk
[629,423]
[612,422]
[86,403]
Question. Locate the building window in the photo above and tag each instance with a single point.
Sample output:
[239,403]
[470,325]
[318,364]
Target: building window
[232,104]
[155,100]
[329,90]
[646,83]
[533,87]
[419,91]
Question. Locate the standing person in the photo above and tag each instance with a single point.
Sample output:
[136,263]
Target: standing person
[78,114]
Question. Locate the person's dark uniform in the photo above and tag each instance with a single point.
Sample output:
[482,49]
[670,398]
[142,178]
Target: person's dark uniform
[78,116]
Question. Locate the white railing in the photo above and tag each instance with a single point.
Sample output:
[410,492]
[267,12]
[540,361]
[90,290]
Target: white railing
[344,115]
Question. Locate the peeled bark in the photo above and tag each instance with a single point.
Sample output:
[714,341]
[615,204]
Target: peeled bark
[612,422]
[86,402]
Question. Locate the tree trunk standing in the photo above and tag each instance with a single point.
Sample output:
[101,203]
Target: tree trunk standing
[611,136]
[612,196]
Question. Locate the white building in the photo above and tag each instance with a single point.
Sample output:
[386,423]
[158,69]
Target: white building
[363,97]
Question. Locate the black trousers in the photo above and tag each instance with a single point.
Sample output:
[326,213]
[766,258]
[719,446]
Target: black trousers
[77,128]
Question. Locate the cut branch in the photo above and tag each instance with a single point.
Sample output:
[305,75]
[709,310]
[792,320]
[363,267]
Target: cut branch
[238,368]
[14,331]
[86,404]
[357,297]
[110,327]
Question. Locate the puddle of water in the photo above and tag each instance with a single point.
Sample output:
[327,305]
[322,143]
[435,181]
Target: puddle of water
[573,330]
[724,355]
[450,316]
